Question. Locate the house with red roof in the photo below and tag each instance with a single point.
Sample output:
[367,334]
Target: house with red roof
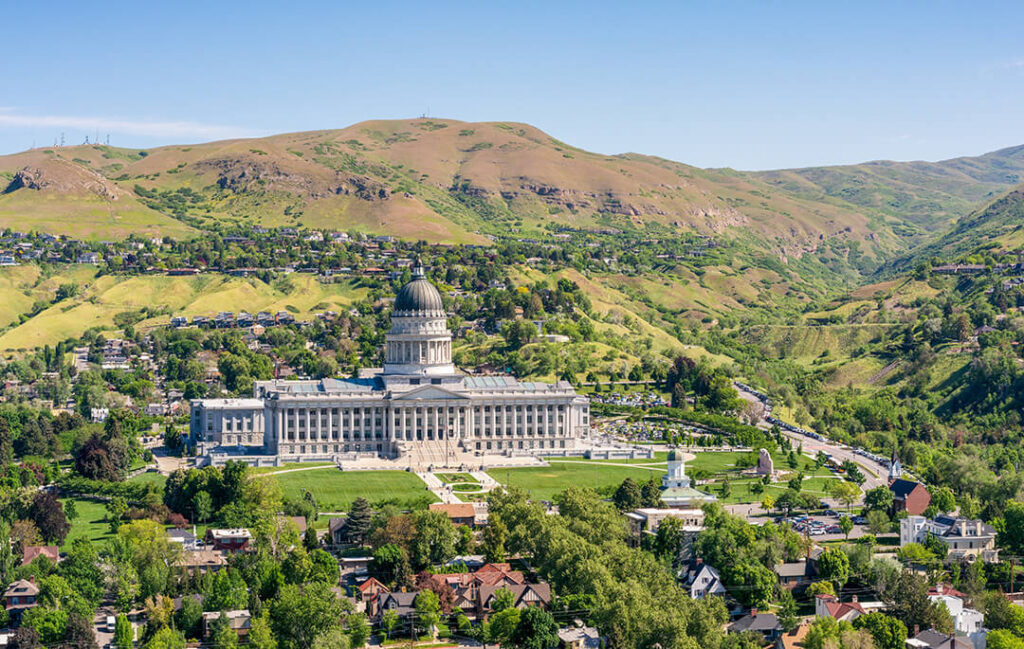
[828,606]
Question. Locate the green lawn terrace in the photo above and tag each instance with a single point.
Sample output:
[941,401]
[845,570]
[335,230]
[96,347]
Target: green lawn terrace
[604,476]
[334,490]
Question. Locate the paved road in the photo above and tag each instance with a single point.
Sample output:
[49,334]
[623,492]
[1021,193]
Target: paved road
[876,474]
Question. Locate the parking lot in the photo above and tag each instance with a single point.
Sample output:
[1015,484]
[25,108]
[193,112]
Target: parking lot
[826,527]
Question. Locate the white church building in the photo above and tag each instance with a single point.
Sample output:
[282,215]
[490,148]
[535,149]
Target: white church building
[418,404]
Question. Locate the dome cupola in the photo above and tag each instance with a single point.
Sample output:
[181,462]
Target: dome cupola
[418,297]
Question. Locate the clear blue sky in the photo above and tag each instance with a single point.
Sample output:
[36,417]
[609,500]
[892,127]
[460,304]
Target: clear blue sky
[748,85]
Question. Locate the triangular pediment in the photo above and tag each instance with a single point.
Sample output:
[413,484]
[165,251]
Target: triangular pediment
[429,392]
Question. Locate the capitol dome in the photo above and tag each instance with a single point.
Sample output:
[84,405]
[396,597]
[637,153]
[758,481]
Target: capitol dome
[419,296]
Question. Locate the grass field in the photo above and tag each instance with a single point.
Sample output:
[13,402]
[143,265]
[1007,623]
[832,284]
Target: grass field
[99,301]
[543,483]
[91,522]
[150,477]
[335,490]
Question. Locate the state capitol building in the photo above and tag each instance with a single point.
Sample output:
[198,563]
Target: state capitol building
[418,406]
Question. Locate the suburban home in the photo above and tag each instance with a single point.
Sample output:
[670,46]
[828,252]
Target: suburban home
[20,595]
[965,539]
[966,620]
[403,604]
[767,624]
[458,513]
[336,531]
[524,595]
[909,496]
[466,586]
[703,580]
[370,590]
[932,639]
[238,620]
[355,565]
[829,606]
[796,575]
[203,560]
[579,637]
[648,519]
[187,539]
[233,540]
[793,639]
[32,552]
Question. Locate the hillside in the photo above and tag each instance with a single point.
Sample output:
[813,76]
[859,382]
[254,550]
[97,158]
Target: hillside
[999,225]
[928,196]
[439,180]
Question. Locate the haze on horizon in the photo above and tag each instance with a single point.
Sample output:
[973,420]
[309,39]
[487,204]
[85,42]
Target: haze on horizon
[745,85]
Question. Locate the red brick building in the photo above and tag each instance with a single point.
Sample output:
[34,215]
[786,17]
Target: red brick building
[908,496]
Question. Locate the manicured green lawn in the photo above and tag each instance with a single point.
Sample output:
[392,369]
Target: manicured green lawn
[335,490]
[150,477]
[450,478]
[91,522]
[544,482]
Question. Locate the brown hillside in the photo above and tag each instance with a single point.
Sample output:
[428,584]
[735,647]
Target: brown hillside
[456,181]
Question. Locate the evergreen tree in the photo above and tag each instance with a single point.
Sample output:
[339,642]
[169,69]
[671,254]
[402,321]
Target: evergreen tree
[360,517]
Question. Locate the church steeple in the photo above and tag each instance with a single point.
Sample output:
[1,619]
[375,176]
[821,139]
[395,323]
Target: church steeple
[895,469]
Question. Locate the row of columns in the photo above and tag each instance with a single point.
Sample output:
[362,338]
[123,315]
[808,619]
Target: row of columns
[419,351]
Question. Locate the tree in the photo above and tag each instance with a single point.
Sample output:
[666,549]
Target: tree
[310,540]
[822,587]
[845,492]
[48,515]
[834,565]
[878,522]
[888,632]
[787,610]
[846,526]
[166,638]
[628,496]
[358,629]
[79,633]
[260,635]
[25,637]
[302,613]
[433,540]
[943,499]
[536,629]
[502,625]
[1003,639]
[93,460]
[495,535]
[668,539]
[879,498]
[387,560]
[70,510]
[428,610]
[223,636]
[124,634]
[503,599]
[389,619]
[360,517]
[189,617]
[202,506]
[1012,536]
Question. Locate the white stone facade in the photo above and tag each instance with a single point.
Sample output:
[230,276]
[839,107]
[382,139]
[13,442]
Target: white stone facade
[417,401]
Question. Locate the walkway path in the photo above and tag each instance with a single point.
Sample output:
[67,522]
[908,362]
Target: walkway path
[486,481]
[439,489]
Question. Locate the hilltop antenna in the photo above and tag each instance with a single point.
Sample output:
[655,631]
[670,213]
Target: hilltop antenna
[87,139]
[62,138]
[108,139]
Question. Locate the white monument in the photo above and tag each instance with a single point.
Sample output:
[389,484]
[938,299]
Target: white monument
[765,466]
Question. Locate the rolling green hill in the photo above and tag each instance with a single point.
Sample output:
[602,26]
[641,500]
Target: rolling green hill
[439,180]
[925,196]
